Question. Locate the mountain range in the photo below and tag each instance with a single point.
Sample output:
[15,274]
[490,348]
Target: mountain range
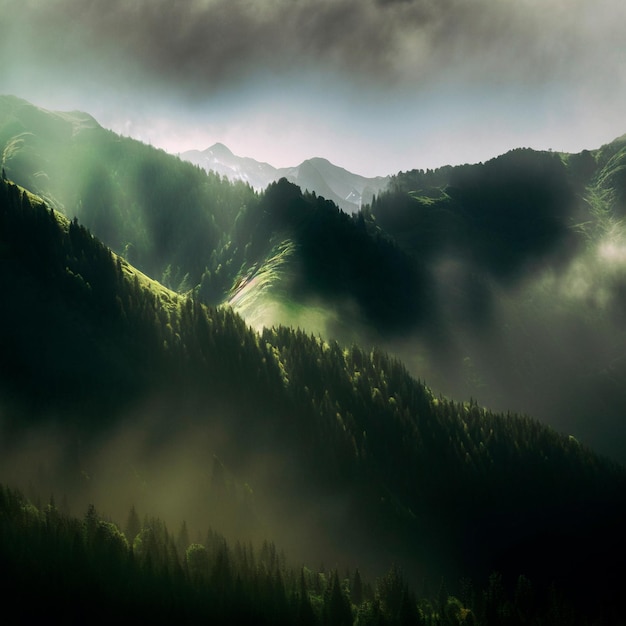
[500,281]
[182,344]
[347,190]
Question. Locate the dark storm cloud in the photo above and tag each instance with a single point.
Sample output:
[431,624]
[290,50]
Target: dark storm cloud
[202,45]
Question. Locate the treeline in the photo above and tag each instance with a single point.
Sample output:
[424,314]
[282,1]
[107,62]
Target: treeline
[336,257]
[423,481]
[496,489]
[76,570]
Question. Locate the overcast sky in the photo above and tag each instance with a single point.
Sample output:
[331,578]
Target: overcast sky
[375,86]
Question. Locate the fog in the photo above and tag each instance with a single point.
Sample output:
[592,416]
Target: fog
[391,85]
[200,45]
[186,464]
[377,87]
[546,337]
[552,346]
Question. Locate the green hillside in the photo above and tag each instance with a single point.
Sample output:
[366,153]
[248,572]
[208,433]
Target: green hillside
[432,252]
[346,457]
[196,231]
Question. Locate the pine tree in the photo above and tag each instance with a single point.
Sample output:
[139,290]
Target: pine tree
[197,560]
[133,525]
[337,609]
[306,615]
[356,590]
[182,541]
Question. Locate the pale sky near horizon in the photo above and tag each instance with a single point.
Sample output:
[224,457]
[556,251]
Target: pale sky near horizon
[375,86]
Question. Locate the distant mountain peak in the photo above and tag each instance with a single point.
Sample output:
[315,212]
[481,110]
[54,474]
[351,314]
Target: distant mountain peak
[320,160]
[349,191]
[219,150]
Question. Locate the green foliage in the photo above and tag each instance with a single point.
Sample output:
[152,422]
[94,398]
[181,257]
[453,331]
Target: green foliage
[419,474]
[197,563]
[169,218]
[55,560]
[197,231]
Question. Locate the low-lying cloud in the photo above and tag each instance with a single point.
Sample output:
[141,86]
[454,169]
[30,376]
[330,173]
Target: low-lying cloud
[202,45]
[374,85]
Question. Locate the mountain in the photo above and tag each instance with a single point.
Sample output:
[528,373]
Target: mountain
[128,378]
[526,251]
[218,158]
[142,202]
[501,281]
[343,454]
[196,231]
[347,190]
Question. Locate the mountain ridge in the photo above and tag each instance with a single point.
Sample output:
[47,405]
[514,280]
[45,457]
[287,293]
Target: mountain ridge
[348,190]
[413,477]
[339,445]
[476,276]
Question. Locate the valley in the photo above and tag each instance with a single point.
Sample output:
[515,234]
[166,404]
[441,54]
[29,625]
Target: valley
[351,386]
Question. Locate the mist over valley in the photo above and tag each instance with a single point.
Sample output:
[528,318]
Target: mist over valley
[312,312]
[427,387]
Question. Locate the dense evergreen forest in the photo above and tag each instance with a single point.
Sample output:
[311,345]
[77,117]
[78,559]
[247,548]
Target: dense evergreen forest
[70,570]
[438,488]
[525,253]
[129,381]
[502,281]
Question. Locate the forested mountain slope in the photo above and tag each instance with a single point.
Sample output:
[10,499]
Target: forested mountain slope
[526,255]
[502,281]
[194,230]
[345,455]
[170,218]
